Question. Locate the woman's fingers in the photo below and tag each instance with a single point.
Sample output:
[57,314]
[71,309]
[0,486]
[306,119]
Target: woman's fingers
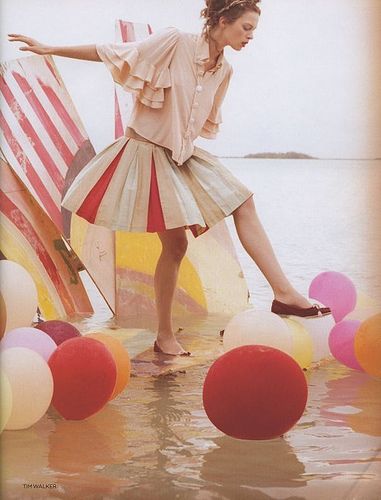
[31,44]
[22,38]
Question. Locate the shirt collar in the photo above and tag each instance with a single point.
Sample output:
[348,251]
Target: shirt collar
[202,53]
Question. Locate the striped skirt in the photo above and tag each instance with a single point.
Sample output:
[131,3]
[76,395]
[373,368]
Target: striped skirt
[134,185]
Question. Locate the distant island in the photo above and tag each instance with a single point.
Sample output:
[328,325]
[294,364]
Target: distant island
[293,155]
[289,155]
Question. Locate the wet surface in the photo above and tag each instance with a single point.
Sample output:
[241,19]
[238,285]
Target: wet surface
[155,441]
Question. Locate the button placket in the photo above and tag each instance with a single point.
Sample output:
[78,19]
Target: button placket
[195,103]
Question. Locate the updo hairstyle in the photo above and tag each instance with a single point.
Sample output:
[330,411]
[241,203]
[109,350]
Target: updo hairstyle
[230,9]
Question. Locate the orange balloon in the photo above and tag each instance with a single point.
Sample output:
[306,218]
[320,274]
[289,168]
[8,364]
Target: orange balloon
[368,345]
[121,358]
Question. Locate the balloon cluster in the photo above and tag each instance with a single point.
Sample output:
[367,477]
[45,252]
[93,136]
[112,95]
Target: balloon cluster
[355,339]
[51,363]
[257,389]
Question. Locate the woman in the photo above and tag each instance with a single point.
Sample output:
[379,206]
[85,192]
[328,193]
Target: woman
[153,179]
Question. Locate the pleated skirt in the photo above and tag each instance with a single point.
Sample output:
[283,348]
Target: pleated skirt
[134,185]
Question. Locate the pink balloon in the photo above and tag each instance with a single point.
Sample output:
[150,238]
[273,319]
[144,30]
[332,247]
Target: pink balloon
[58,330]
[334,290]
[341,342]
[31,338]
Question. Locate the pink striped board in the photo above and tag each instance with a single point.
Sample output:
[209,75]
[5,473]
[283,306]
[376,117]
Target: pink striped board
[42,134]
[205,285]
[46,144]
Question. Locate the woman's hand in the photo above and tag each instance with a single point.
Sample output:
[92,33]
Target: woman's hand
[31,44]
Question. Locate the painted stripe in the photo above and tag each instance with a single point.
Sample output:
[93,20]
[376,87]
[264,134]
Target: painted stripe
[43,194]
[89,208]
[18,219]
[39,67]
[39,130]
[52,70]
[32,136]
[45,119]
[127,30]
[155,217]
[62,113]
[17,162]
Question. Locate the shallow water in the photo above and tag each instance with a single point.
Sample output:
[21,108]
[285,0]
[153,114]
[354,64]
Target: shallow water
[320,215]
[154,441]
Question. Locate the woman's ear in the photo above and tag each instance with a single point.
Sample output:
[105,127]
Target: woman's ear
[222,22]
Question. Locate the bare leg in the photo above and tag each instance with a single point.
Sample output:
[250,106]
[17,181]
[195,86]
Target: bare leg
[174,246]
[256,243]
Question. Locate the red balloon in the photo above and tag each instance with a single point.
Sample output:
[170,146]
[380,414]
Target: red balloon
[58,330]
[255,392]
[84,375]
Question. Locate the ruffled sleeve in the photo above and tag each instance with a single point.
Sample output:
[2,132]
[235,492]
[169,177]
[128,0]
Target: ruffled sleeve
[211,126]
[142,67]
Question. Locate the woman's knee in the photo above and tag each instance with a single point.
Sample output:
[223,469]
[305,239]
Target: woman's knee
[174,243]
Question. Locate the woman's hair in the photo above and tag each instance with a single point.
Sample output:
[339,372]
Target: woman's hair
[230,9]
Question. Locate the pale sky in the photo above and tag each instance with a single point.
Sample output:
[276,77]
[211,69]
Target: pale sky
[308,82]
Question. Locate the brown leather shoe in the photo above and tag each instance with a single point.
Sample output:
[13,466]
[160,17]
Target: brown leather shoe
[305,312]
[157,348]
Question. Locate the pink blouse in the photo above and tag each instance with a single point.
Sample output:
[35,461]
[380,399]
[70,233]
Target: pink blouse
[176,100]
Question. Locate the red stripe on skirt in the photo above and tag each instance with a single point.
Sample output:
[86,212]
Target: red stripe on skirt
[89,208]
[155,218]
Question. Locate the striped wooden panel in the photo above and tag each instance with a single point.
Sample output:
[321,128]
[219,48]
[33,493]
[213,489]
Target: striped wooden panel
[29,237]
[45,143]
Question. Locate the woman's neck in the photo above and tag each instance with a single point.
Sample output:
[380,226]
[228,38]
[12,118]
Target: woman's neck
[216,45]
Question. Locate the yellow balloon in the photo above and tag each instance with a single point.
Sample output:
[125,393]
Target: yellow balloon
[302,346]
[368,345]
[121,358]
[5,399]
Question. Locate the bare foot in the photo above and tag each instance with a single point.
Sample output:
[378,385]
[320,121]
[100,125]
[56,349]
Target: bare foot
[168,343]
[292,298]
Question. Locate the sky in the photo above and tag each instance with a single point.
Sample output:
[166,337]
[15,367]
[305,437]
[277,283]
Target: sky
[308,82]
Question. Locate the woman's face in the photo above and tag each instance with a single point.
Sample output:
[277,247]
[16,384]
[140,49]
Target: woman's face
[240,32]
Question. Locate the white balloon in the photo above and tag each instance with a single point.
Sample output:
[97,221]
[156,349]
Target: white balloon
[19,293]
[253,326]
[32,385]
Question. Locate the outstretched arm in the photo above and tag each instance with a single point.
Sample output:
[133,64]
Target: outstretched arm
[86,52]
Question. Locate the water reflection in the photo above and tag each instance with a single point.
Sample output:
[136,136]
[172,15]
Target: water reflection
[359,392]
[235,466]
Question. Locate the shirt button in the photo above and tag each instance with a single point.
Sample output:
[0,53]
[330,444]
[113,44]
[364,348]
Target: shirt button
[187,134]
[199,88]
[191,120]
[195,104]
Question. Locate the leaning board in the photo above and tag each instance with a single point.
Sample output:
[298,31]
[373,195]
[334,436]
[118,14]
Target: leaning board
[30,238]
